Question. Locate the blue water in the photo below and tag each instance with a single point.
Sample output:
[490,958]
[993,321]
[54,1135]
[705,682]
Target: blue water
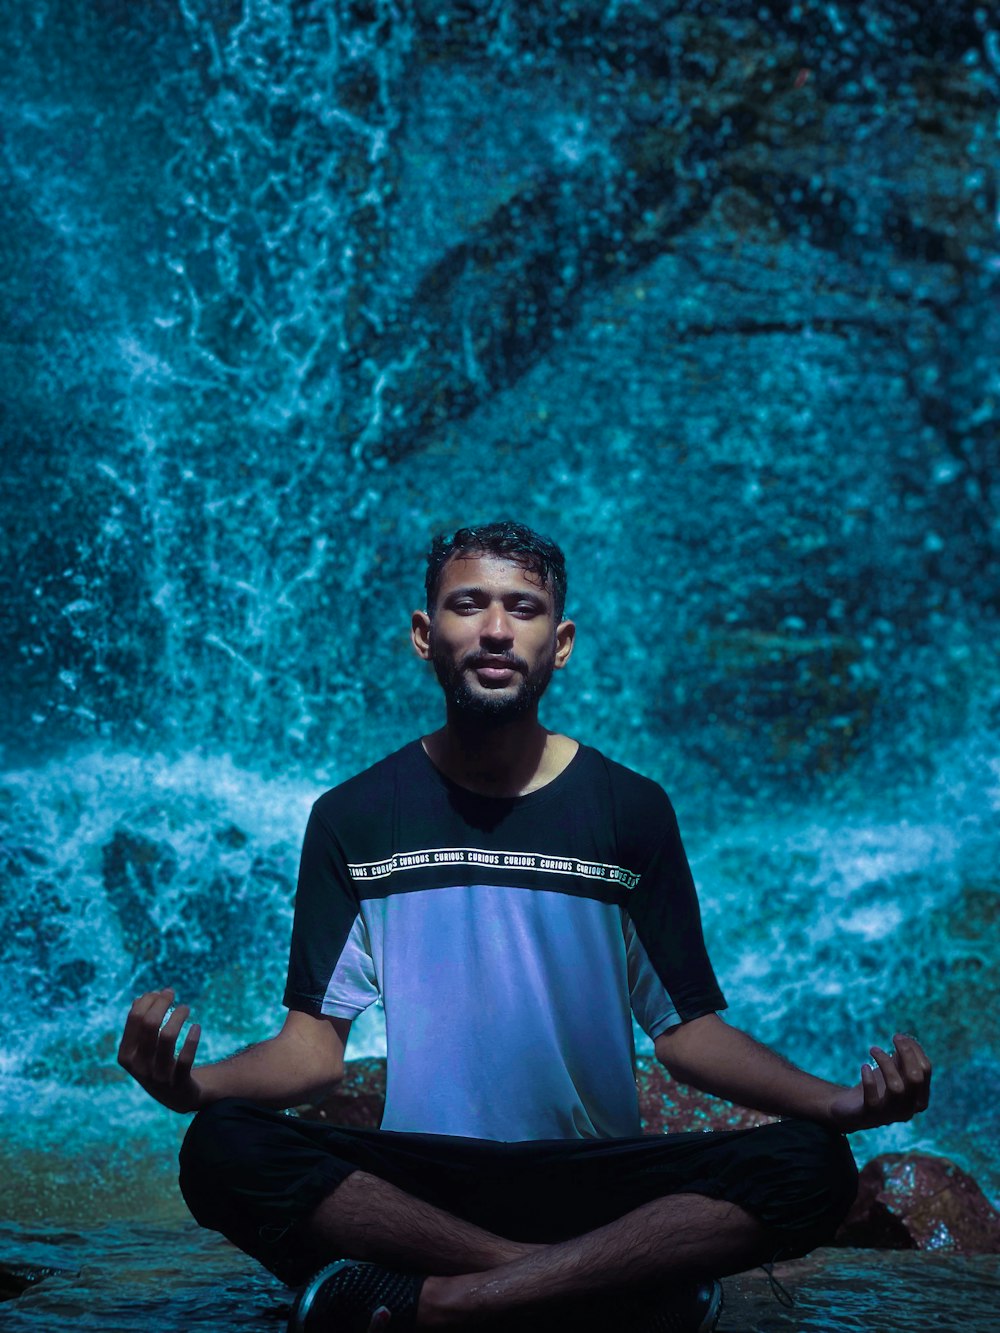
[708,297]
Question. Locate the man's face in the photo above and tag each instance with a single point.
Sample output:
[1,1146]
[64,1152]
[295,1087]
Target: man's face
[493,639]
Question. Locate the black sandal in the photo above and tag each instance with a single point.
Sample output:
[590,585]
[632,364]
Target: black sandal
[354,1297]
[693,1309]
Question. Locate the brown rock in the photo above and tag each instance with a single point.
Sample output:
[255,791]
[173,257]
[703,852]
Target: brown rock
[668,1107]
[913,1201]
[357,1100]
[664,1106]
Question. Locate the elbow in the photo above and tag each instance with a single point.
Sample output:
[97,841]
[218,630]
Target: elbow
[680,1049]
[676,1067]
[667,1053]
[314,1052]
[317,1095]
[326,1081]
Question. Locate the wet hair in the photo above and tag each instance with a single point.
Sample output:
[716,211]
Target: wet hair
[512,541]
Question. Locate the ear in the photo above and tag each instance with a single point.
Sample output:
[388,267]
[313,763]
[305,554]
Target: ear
[565,638]
[420,630]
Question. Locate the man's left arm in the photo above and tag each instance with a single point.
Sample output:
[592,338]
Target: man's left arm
[711,1055]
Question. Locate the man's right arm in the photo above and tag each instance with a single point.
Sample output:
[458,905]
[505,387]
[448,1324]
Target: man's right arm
[303,1060]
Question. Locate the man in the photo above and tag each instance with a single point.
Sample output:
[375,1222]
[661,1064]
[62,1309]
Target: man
[513,897]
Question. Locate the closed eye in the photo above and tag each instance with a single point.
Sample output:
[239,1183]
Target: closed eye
[467,602]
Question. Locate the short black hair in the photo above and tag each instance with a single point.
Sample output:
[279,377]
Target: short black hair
[505,538]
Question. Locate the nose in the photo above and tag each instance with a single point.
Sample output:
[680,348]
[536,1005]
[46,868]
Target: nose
[496,628]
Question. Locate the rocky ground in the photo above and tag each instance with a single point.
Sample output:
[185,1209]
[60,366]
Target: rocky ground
[175,1279]
[921,1250]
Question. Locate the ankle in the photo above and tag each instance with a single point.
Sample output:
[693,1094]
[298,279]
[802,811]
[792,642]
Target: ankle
[512,1251]
[441,1302]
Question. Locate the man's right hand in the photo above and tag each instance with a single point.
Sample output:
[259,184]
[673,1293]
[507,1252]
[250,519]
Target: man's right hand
[147,1051]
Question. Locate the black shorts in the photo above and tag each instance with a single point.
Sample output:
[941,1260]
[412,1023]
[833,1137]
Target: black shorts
[256,1175]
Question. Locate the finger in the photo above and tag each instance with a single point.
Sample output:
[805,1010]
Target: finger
[879,1078]
[918,1069]
[914,1052]
[149,1027]
[871,1089]
[185,1058]
[163,1060]
[915,1070]
[137,1023]
[906,1060]
[893,1080]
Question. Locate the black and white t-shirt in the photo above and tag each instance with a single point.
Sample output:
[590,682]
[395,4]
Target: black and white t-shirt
[508,939]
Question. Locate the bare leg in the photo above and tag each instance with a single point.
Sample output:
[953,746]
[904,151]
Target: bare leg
[682,1236]
[368,1218]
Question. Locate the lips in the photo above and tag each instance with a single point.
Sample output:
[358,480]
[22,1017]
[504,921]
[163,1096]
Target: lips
[496,669]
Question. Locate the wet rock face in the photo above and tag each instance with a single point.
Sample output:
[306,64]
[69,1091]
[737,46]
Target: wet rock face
[16,1278]
[134,870]
[913,1201]
[167,930]
[719,279]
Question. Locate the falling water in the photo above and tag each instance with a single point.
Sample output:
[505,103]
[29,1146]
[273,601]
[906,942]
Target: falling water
[707,294]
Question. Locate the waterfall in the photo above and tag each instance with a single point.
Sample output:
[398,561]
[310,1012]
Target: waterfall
[709,298]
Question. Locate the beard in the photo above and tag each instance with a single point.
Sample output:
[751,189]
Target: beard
[485,706]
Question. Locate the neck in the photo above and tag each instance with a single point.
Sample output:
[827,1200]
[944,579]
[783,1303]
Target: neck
[504,760]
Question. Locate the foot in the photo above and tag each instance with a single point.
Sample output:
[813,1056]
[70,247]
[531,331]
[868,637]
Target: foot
[683,1308]
[353,1297]
[693,1309]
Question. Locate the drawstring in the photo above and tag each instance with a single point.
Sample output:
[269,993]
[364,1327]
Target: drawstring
[780,1293]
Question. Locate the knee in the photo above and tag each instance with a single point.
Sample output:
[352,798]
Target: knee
[215,1129]
[818,1179]
[219,1144]
[240,1173]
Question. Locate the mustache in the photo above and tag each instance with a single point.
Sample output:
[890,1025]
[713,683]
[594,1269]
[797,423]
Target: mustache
[495,660]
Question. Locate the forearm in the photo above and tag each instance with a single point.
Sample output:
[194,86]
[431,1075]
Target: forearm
[279,1072]
[305,1058]
[723,1060]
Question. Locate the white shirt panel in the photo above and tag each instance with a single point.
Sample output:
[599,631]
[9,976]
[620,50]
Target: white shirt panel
[507,1013]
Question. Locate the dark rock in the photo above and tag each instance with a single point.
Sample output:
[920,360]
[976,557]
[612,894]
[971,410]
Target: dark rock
[16,1278]
[913,1201]
[134,868]
[231,836]
[801,689]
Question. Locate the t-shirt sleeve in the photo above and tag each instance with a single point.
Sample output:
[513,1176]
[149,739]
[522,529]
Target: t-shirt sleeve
[664,910]
[353,985]
[652,1006]
[330,970]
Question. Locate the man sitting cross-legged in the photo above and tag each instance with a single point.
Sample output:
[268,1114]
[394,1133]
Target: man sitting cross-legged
[514,898]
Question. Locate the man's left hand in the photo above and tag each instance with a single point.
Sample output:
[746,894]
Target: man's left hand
[896,1089]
